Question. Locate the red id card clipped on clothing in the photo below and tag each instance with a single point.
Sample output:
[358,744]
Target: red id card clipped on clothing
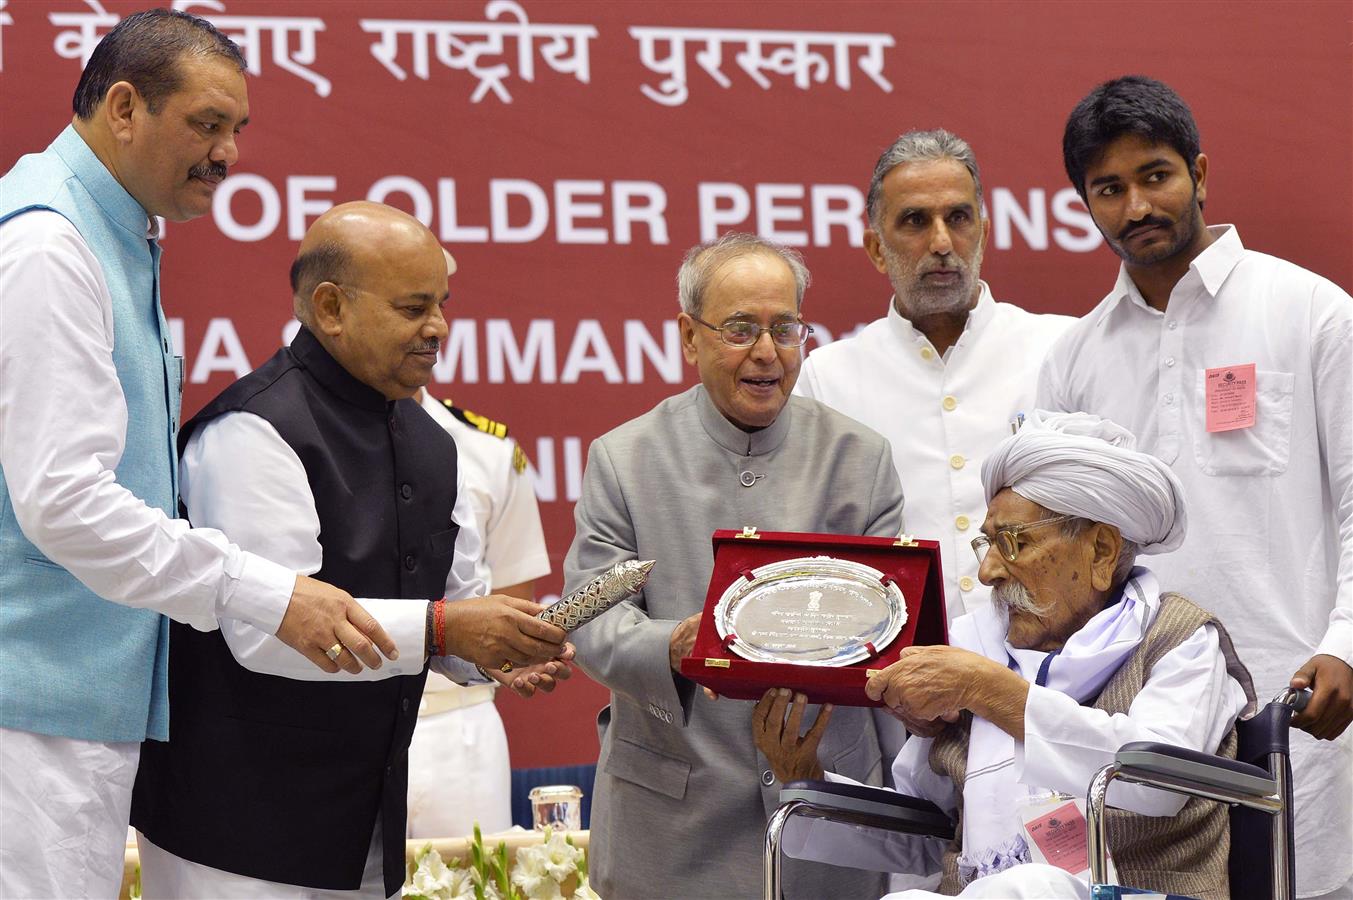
[1228,393]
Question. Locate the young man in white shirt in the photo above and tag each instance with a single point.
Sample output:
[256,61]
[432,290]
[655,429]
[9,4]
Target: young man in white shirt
[947,370]
[1234,368]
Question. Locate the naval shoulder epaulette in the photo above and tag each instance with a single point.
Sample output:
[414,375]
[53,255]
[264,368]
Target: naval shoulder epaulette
[489,426]
[475,420]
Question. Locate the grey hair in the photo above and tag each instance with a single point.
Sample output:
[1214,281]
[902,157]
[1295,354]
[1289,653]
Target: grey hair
[1127,553]
[703,261]
[328,261]
[920,146]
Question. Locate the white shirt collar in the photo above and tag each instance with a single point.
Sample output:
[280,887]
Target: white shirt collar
[1212,267]
[978,317]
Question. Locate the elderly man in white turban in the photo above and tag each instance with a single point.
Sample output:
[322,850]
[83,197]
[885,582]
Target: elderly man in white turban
[1080,653]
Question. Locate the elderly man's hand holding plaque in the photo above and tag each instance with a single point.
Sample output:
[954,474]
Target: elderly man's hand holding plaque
[929,687]
[776,721]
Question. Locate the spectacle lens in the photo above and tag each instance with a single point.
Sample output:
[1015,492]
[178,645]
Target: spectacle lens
[784,334]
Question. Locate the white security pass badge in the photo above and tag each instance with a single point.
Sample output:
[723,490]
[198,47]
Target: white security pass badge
[1055,830]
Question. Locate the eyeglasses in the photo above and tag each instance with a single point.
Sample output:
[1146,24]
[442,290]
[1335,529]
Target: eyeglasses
[738,333]
[1007,539]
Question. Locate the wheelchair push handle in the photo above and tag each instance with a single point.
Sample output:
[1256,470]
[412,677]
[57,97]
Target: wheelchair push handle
[1297,699]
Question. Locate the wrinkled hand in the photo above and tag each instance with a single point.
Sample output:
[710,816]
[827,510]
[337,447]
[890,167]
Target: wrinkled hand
[928,684]
[541,677]
[489,631]
[683,639]
[792,758]
[1331,705]
[320,615]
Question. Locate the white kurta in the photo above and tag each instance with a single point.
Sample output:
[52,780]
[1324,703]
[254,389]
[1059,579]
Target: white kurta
[940,414]
[238,474]
[1270,541]
[460,773]
[64,806]
[63,426]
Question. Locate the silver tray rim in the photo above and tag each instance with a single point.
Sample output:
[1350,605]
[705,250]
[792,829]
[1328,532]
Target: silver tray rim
[866,576]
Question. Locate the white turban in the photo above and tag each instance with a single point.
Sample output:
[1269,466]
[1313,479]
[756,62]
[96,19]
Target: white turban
[1079,464]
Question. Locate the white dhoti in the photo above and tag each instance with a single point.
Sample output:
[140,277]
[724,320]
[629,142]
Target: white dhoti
[165,876]
[64,807]
[1032,881]
[459,771]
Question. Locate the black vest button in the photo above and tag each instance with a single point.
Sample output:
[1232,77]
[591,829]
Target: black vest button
[410,562]
[406,490]
[404,704]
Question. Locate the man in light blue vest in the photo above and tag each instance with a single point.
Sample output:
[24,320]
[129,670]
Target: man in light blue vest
[92,559]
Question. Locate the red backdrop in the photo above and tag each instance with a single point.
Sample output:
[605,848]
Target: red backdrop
[570,195]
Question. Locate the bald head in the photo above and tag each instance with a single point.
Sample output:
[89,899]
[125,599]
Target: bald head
[345,241]
[369,282]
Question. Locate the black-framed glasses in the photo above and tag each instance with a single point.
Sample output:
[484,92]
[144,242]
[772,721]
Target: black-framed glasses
[1007,539]
[740,333]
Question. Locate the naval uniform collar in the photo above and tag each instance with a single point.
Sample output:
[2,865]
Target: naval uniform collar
[734,439]
[310,353]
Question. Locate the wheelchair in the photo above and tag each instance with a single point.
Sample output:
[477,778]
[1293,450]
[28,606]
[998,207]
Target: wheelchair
[1257,785]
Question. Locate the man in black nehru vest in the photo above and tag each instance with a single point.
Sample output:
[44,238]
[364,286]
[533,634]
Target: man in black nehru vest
[278,780]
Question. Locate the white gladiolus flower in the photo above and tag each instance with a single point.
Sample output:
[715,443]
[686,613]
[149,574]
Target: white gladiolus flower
[548,871]
[551,870]
[585,892]
[434,880]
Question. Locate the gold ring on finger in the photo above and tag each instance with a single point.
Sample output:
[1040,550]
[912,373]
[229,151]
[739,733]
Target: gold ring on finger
[333,651]
[506,667]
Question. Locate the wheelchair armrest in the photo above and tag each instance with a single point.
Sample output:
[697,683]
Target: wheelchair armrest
[872,806]
[1146,758]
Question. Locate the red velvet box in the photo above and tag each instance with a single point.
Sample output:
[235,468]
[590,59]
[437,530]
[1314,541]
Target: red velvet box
[913,564]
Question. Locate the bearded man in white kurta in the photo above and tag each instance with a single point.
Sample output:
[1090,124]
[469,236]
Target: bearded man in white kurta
[943,374]
[1236,369]
[1080,653]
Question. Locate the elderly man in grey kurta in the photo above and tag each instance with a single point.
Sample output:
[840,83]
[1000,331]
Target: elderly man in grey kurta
[682,794]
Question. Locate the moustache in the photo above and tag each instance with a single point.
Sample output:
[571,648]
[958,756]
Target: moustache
[214,170]
[954,265]
[430,346]
[1011,596]
[1135,227]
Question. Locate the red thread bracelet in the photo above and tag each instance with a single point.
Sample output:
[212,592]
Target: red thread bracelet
[439,626]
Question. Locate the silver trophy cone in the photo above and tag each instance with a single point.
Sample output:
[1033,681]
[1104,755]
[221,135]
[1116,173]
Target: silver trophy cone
[620,582]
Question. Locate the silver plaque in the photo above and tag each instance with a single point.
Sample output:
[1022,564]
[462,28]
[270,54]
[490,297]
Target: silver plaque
[810,611]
